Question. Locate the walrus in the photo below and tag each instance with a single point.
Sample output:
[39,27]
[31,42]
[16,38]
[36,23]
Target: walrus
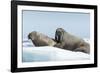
[40,39]
[68,41]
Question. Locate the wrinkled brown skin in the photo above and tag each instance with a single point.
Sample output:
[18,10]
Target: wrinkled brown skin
[70,42]
[62,40]
[40,39]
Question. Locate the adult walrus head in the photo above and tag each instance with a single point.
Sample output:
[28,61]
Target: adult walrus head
[40,39]
[59,35]
[70,42]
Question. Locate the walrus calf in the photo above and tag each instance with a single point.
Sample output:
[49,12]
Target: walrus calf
[69,42]
[40,39]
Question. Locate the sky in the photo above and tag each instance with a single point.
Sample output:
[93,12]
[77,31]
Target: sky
[47,22]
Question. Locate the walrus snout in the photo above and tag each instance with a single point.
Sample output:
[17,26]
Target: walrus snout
[29,36]
[32,35]
[59,34]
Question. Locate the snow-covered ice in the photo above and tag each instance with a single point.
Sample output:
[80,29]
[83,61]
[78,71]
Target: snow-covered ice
[47,53]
